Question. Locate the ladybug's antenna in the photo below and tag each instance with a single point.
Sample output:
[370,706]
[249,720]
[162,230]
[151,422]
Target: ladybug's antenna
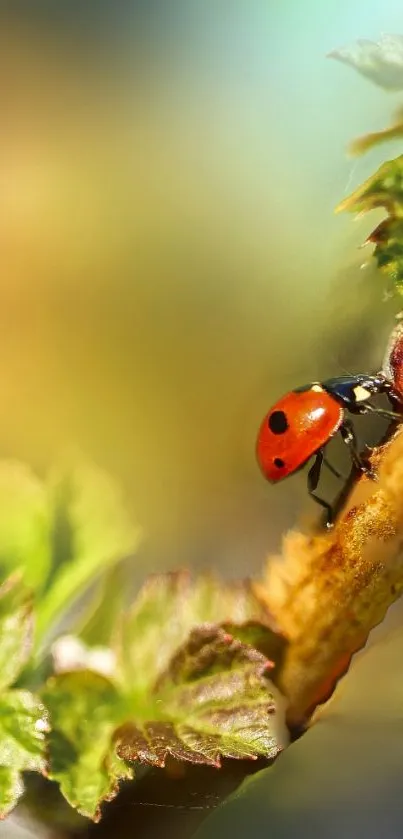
[343,369]
[347,372]
[341,366]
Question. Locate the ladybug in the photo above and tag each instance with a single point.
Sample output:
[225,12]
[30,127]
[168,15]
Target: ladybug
[300,425]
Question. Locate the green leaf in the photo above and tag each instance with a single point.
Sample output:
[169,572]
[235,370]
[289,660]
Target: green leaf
[182,687]
[23,724]
[15,630]
[384,190]
[169,606]
[11,789]
[23,718]
[352,753]
[213,701]
[380,61]
[259,636]
[25,524]
[93,531]
[197,691]
[85,708]
[98,622]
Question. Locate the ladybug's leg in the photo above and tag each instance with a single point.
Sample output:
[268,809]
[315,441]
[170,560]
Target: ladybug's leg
[382,413]
[393,396]
[332,469]
[313,480]
[348,434]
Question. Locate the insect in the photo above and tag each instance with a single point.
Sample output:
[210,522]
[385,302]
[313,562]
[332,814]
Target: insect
[300,425]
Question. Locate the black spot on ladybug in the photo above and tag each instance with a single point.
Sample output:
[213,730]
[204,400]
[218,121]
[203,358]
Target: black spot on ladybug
[278,462]
[278,422]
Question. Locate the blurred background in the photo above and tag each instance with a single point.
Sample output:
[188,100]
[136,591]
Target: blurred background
[171,261]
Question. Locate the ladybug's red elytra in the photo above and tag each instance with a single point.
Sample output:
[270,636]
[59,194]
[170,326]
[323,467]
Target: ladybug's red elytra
[300,425]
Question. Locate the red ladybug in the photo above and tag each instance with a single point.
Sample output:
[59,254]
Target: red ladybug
[302,423]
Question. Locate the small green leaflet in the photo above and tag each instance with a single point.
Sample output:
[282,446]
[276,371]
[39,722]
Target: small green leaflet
[92,532]
[25,524]
[16,626]
[61,535]
[23,718]
[85,708]
[384,190]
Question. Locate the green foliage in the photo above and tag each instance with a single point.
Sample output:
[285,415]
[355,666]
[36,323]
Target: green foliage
[61,534]
[213,700]
[352,755]
[15,630]
[183,686]
[58,536]
[200,693]
[92,531]
[23,718]
[184,669]
[382,62]
[25,525]
[85,710]
[178,604]
[384,190]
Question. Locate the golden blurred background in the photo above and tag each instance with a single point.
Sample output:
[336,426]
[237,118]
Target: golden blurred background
[171,262]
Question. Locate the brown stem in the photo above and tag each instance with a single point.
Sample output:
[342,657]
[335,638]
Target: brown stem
[328,590]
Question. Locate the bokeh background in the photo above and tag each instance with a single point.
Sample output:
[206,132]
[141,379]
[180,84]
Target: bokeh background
[171,264]
[171,261]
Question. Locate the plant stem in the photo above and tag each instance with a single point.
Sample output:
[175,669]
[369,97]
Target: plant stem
[328,590]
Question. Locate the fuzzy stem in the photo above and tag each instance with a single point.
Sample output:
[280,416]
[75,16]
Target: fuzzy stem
[328,590]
